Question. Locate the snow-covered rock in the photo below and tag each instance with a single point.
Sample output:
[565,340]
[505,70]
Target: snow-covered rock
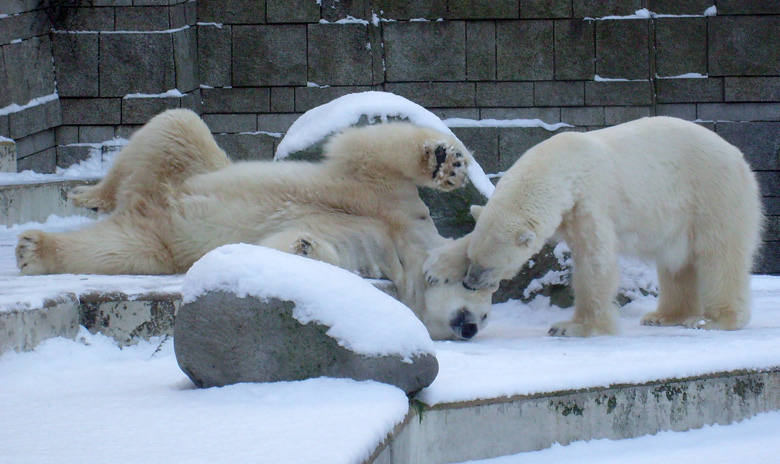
[252,314]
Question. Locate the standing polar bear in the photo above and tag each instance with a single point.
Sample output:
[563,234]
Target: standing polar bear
[660,188]
[173,196]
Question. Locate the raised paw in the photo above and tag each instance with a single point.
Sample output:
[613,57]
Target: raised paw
[445,265]
[29,253]
[86,196]
[447,166]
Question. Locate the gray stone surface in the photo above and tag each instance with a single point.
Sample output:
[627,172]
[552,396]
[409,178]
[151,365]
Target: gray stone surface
[739,111]
[241,100]
[146,18]
[29,69]
[759,142]
[685,111]
[559,93]
[141,110]
[549,115]
[292,11]
[744,45]
[282,99]
[24,26]
[401,10]
[129,320]
[34,143]
[185,56]
[574,49]
[618,93]
[23,330]
[230,123]
[214,56]
[480,50]
[752,89]
[76,111]
[531,61]
[436,94]
[509,94]
[614,115]
[406,60]
[348,63]
[231,11]
[483,9]
[482,142]
[687,7]
[515,141]
[247,147]
[622,49]
[34,119]
[136,63]
[689,90]
[584,116]
[307,98]
[76,60]
[269,55]
[680,46]
[221,339]
[95,134]
[84,19]
[601,8]
[545,9]
[739,7]
[7,156]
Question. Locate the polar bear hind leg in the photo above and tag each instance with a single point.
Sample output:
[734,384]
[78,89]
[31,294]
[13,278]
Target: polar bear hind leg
[678,298]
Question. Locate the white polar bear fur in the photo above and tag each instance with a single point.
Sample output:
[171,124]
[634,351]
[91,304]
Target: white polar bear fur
[173,196]
[662,189]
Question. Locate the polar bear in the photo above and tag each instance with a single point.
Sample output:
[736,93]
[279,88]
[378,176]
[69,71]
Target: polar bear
[659,188]
[173,195]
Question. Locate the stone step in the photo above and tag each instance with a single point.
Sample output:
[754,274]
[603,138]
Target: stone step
[23,203]
[497,427]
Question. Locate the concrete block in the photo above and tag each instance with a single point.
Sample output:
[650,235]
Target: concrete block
[126,320]
[271,122]
[767,182]
[99,111]
[347,64]
[334,10]
[548,115]
[685,111]
[230,123]
[436,94]
[483,9]
[546,9]
[771,205]
[19,6]
[247,147]
[34,119]
[407,60]
[744,45]
[23,330]
[480,50]
[139,63]
[677,7]
[43,162]
[514,141]
[269,55]
[689,90]
[65,135]
[482,142]
[768,261]
[292,11]
[141,110]
[559,93]
[752,89]
[601,8]
[618,93]
[214,55]
[95,134]
[29,69]
[231,11]
[190,13]
[739,7]
[177,16]
[282,99]
[76,60]
[7,155]
[510,94]
[524,50]
[759,142]
[5,95]
[307,98]
[68,155]
[193,101]
[772,229]
[34,143]
[614,115]
[185,53]
[238,100]
[583,116]
[681,46]
[36,202]
[5,130]
[622,49]
[85,19]
[24,26]
[739,111]
[143,18]
[402,10]
[574,49]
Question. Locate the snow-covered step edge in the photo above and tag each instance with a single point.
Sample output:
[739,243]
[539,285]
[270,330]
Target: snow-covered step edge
[34,202]
[505,426]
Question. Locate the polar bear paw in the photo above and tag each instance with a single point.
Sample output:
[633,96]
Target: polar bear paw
[28,253]
[657,319]
[86,196]
[444,266]
[446,165]
[569,329]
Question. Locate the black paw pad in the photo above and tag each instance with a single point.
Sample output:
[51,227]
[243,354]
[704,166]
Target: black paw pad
[441,157]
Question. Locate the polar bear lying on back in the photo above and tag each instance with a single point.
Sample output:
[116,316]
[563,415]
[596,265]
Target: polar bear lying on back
[658,188]
[174,196]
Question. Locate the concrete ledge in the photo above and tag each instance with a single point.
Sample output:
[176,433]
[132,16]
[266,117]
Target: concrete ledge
[23,329]
[505,426]
[36,202]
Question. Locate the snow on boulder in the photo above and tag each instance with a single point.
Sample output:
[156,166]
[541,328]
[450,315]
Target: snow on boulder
[253,314]
[318,123]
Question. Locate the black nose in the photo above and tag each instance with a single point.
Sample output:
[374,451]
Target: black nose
[468,331]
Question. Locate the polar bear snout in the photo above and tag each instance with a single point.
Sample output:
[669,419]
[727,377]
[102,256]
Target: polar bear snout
[464,324]
[479,278]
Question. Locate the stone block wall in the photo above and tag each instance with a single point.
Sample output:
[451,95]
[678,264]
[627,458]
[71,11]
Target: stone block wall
[76,72]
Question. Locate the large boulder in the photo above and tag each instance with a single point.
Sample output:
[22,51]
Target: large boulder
[252,314]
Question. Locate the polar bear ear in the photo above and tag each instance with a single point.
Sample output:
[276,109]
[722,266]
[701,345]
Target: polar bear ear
[525,237]
[476,210]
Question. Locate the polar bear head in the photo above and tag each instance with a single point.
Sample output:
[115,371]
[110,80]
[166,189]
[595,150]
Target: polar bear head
[454,313]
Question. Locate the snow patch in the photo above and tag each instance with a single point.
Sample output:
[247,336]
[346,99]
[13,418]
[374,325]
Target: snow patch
[360,317]
[14,108]
[170,93]
[598,78]
[463,122]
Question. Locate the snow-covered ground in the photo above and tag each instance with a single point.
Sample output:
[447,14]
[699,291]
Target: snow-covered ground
[86,400]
